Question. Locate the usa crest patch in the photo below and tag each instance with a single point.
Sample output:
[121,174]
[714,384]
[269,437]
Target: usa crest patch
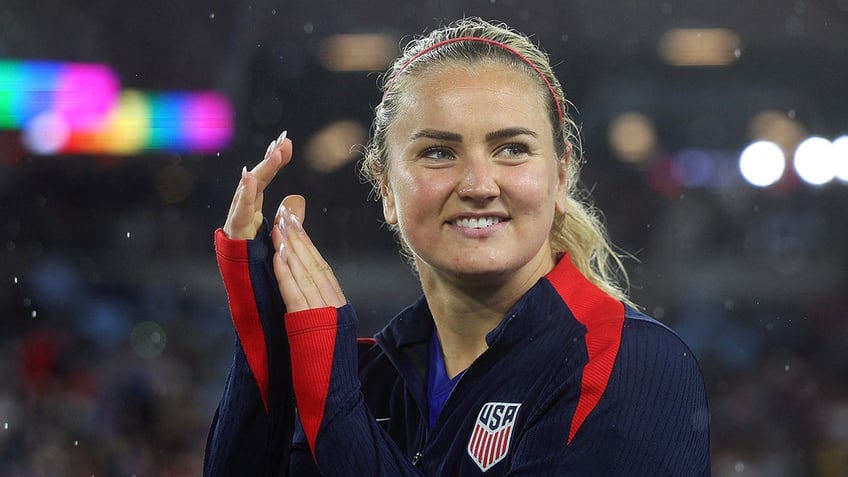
[492,433]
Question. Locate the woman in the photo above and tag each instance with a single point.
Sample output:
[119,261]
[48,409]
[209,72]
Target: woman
[523,357]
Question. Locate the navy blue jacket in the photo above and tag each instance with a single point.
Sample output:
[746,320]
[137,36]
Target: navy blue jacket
[573,383]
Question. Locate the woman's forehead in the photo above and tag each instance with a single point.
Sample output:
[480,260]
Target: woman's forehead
[452,94]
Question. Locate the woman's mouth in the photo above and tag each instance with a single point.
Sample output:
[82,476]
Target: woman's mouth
[476,222]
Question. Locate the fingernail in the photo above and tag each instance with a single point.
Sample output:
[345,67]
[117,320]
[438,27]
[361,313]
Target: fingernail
[296,222]
[281,223]
[283,251]
[270,149]
[243,171]
[282,136]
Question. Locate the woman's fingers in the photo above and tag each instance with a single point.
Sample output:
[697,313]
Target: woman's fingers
[304,277]
[279,154]
[240,219]
[245,215]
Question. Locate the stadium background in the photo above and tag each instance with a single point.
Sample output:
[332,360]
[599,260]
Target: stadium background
[114,332]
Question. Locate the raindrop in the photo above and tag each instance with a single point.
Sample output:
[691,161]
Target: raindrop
[34,313]
[786,368]
[15,280]
[273,11]
[76,443]
[790,114]
[212,16]
[218,154]
[6,425]
[737,52]
[148,340]
[308,27]
[128,235]
[739,467]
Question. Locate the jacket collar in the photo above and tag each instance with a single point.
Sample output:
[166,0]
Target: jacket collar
[414,325]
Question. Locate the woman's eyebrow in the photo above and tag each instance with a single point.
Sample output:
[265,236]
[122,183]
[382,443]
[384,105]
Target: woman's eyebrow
[508,132]
[454,137]
[436,134]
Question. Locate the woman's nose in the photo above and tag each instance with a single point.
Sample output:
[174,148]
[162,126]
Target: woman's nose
[479,180]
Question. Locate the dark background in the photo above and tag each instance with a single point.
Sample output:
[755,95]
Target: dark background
[114,331]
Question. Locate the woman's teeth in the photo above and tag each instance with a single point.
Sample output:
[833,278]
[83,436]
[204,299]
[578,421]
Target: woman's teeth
[477,223]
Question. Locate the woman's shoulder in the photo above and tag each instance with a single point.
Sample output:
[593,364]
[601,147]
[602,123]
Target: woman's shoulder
[643,333]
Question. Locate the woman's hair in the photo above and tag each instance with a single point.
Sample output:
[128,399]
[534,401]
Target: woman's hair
[579,231]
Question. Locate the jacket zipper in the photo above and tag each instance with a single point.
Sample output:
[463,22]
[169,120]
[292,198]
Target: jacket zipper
[422,440]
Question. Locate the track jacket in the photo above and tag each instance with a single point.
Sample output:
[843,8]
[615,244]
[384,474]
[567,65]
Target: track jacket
[573,383]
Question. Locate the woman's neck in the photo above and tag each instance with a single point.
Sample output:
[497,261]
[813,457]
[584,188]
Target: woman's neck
[464,315]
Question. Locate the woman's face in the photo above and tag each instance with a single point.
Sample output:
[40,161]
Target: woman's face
[473,180]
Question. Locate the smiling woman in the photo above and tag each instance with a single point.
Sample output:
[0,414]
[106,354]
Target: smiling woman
[522,357]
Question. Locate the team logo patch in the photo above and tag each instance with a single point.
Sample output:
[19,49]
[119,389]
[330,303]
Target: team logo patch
[492,432]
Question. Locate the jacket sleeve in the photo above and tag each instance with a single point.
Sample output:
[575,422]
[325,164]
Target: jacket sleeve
[651,420]
[343,436]
[251,433]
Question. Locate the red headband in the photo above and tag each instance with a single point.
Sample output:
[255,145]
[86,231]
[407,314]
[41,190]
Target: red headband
[487,41]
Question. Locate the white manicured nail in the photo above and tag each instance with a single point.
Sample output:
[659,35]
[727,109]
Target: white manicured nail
[270,149]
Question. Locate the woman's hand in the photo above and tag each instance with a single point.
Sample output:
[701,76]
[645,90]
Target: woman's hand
[245,215]
[305,279]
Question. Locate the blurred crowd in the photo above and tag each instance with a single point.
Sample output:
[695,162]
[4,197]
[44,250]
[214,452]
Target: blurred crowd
[115,339]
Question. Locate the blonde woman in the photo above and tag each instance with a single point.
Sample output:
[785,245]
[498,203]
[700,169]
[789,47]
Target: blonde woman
[523,356]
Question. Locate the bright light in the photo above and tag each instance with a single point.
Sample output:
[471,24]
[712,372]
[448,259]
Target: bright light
[632,137]
[814,161]
[64,108]
[762,163]
[840,157]
[700,46]
[81,93]
[334,145]
[46,133]
[357,52]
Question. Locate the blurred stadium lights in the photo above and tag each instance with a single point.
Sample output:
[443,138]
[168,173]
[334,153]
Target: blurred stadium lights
[840,153]
[815,161]
[80,93]
[779,128]
[334,145]
[632,138]
[699,47]
[64,108]
[776,138]
[762,163]
[358,52]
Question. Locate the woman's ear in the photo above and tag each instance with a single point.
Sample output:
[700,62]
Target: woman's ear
[389,210]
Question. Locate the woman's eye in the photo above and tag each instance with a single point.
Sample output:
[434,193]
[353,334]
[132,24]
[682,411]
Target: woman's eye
[437,154]
[513,150]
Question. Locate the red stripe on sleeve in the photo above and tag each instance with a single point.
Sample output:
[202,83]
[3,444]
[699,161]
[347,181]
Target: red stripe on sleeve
[312,339]
[233,264]
[603,317]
